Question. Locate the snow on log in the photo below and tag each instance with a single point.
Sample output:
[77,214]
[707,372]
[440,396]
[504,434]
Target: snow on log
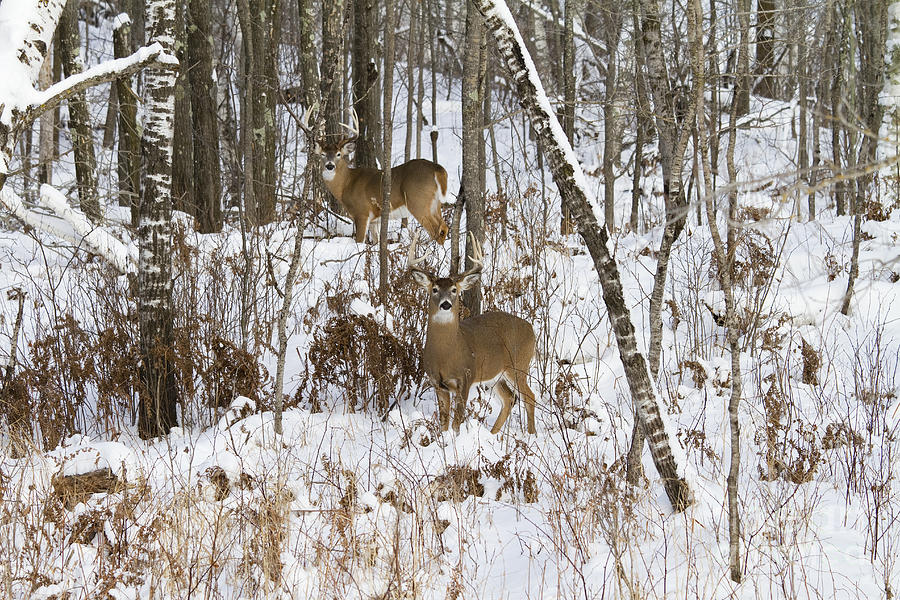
[71,226]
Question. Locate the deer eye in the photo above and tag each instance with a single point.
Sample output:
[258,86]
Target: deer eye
[453,291]
[434,290]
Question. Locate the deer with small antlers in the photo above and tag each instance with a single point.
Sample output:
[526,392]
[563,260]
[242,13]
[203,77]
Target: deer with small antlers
[418,186]
[458,353]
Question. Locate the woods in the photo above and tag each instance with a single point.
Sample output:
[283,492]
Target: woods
[683,215]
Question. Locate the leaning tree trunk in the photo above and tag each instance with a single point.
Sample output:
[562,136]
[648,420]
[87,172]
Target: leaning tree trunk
[207,179]
[158,393]
[572,186]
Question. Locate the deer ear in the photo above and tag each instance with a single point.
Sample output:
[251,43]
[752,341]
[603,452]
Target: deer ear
[422,278]
[349,148]
[318,149]
[469,280]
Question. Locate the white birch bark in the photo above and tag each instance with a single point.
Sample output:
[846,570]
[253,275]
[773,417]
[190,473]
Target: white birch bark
[157,410]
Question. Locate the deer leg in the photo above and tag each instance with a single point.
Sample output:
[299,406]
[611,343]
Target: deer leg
[509,399]
[527,395]
[360,224]
[443,396]
[462,396]
[375,230]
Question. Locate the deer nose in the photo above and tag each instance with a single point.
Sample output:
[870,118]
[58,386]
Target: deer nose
[329,166]
[446,305]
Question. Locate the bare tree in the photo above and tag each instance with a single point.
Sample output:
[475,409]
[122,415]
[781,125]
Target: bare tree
[79,118]
[673,126]
[366,92]
[723,254]
[260,29]
[207,173]
[129,151]
[183,145]
[765,49]
[472,182]
[390,23]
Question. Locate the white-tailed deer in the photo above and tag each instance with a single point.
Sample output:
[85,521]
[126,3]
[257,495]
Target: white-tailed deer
[419,186]
[458,353]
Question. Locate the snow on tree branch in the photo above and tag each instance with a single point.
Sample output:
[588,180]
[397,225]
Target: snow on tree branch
[148,56]
[74,227]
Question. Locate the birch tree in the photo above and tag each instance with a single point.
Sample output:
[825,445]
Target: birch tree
[158,393]
[570,180]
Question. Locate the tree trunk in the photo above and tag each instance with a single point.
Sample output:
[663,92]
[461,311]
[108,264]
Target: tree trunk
[742,69]
[612,138]
[803,117]
[571,183]
[207,188]
[433,54]
[112,118]
[673,138]
[411,68]
[158,394]
[183,158]
[765,49]
[566,226]
[366,92]
[837,38]
[472,145]
[390,23]
[260,29]
[129,152]
[79,118]
[47,133]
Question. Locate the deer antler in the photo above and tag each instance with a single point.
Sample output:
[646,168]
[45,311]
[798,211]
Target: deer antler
[412,262]
[354,128]
[304,122]
[477,257]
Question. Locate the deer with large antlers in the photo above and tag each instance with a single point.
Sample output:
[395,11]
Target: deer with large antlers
[458,353]
[418,186]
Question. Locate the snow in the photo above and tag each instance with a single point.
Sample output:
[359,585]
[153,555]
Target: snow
[361,496]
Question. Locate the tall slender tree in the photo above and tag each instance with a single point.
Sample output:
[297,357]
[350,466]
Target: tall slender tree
[366,92]
[472,182]
[128,154]
[157,412]
[79,117]
[206,169]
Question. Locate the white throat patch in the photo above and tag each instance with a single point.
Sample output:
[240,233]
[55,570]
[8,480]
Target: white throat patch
[328,175]
[442,317]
